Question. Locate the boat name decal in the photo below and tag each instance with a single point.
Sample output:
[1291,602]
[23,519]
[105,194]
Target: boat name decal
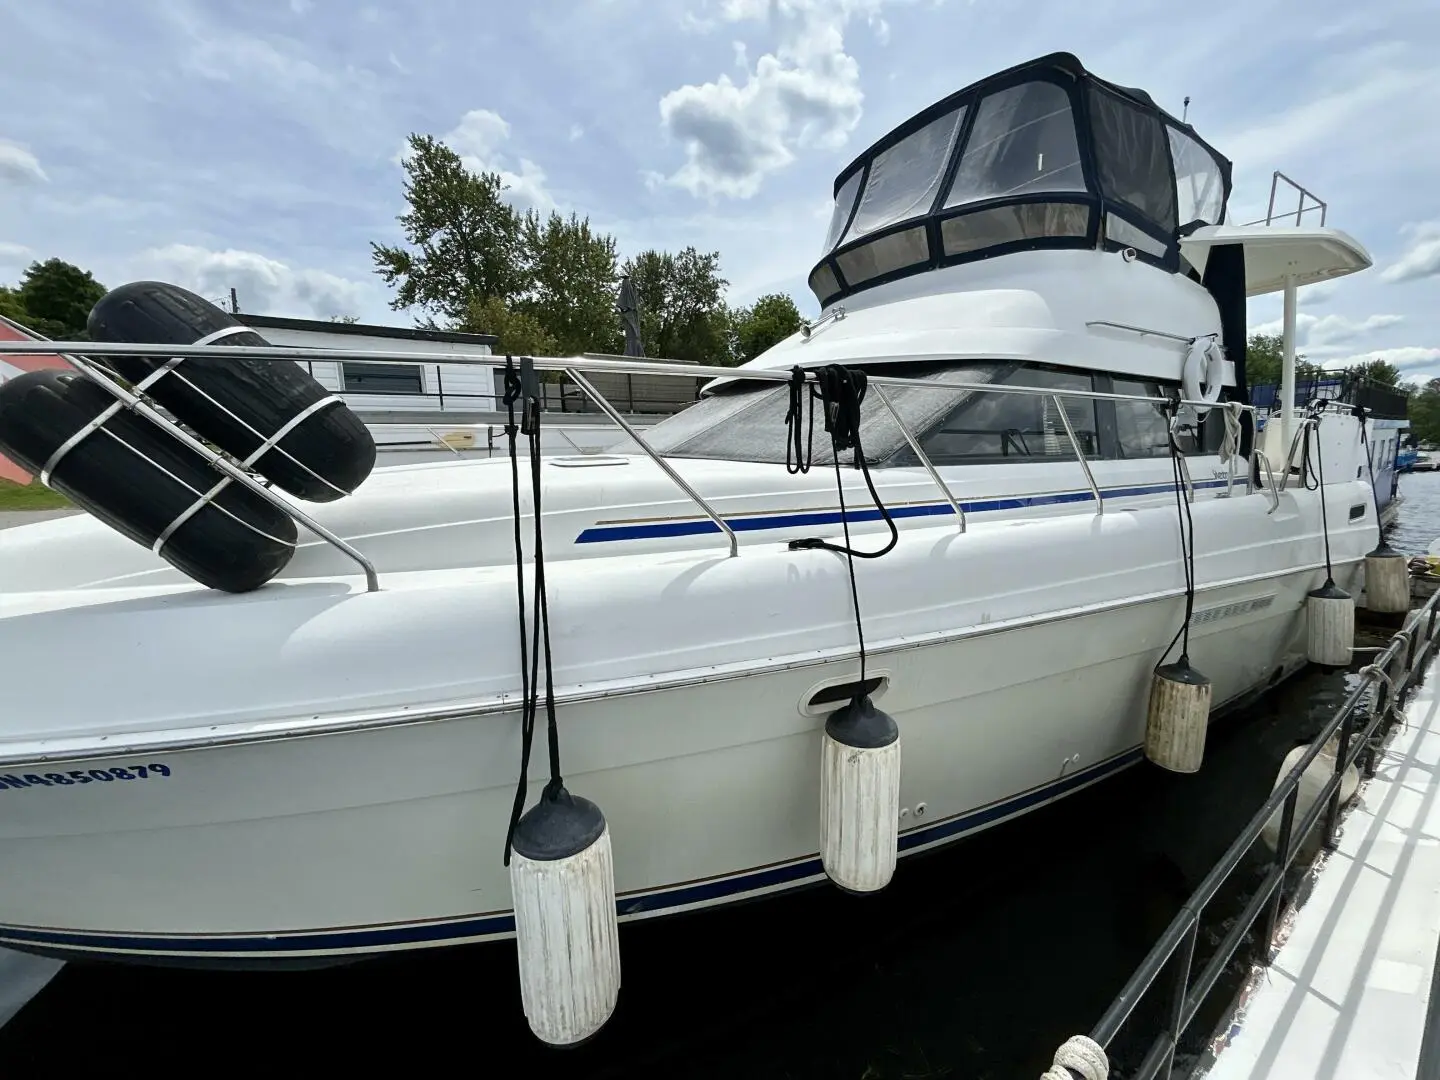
[83,776]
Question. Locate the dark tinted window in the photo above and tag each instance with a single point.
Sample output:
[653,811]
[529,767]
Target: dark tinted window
[1133,157]
[382,379]
[1142,428]
[1022,427]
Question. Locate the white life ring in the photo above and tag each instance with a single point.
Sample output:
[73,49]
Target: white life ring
[1204,374]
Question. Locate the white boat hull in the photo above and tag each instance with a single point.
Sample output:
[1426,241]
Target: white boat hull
[365,841]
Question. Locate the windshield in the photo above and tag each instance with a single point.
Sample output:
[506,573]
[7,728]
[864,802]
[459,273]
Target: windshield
[745,421]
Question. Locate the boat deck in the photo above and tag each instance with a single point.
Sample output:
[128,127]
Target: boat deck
[1352,991]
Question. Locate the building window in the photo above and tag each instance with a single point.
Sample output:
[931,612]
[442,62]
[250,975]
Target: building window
[383,379]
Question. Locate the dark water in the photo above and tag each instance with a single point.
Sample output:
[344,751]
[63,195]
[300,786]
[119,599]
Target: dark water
[976,962]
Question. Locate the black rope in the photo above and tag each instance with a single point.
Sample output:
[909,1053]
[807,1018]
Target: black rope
[798,457]
[1359,414]
[841,392]
[1187,542]
[527,716]
[1324,514]
[524,386]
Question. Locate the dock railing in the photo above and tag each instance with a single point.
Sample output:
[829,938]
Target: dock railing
[1385,682]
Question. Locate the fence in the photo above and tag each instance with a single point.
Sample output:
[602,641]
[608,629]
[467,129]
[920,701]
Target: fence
[1391,676]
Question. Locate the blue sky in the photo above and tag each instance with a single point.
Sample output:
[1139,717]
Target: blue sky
[217,143]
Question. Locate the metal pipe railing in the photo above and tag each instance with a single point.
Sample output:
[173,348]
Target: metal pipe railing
[1179,938]
[573,368]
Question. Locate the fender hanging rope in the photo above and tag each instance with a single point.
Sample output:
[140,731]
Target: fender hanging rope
[841,392]
[1320,487]
[1359,414]
[1187,543]
[524,386]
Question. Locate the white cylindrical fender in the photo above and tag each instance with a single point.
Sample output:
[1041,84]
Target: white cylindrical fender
[860,797]
[1178,718]
[1330,625]
[1203,376]
[562,882]
[1312,782]
[1387,581]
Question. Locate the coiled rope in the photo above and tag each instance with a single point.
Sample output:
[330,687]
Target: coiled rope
[1079,1058]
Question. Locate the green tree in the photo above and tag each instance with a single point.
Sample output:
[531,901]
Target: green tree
[683,315]
[349,319]
[1264,359]
[1378,371]
[768,321]
[519,332]
[571,291]
[11,306]
[1424,410]
[467,241]
[54,299]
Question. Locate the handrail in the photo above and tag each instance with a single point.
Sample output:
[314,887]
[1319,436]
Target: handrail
[275,353]
[574,368]
[1412,649]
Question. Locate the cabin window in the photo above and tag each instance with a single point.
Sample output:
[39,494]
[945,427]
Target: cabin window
[1142,428]
[1199,183]
[1023,141]
[1014,427]
[902,181]
[1008,224]
[884,255]
[844,203]
[745,420]
[383,379]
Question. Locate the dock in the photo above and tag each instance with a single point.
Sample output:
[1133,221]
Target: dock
[1350,992]
[1342,955]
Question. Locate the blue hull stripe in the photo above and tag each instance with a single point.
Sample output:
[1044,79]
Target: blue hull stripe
[654,530]
[370,938]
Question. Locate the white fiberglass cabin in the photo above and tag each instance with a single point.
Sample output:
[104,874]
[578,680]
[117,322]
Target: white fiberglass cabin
[1030,272]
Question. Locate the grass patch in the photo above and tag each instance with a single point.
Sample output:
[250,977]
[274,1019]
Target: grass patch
[34,496]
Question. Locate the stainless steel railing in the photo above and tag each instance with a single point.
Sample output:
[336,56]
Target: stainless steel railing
[81,355]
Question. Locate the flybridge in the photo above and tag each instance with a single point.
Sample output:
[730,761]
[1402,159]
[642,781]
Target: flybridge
[1043,155]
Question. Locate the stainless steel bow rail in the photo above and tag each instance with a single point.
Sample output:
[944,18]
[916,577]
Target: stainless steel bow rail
[1387,682]
[82,353]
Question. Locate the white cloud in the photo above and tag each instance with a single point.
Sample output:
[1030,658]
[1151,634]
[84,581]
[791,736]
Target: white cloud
[1421,259]
[1322,334]
[1319,293]
[19,164]
[1315,122]
[1406,357]
[804,95]
[11,251]
[576,132]
[300,7]
[264,285]
[478,138]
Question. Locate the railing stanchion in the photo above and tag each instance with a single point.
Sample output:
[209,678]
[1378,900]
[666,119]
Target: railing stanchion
[1281,864]
[923,457]
[1079,455]
[609,410]
[1342,754]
